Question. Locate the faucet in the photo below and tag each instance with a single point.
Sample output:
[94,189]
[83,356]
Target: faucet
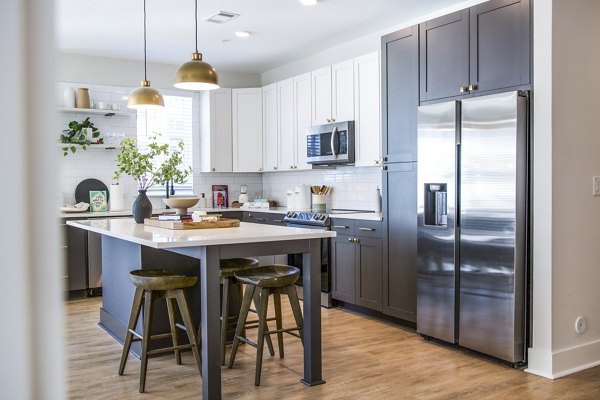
[171,191]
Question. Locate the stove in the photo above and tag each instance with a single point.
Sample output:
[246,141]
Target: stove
[316,219]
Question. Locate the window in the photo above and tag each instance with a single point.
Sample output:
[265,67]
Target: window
[170,125]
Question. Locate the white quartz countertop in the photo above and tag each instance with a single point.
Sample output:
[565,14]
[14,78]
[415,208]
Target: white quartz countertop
[277,210]
[160,238]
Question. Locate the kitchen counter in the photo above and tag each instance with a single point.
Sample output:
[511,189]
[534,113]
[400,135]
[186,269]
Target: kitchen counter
[127,246]
[277,210]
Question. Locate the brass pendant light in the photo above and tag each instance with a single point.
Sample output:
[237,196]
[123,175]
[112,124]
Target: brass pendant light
[196,74]
[145,97]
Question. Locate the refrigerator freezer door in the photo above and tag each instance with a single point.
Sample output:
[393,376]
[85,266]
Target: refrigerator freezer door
[492,225]
[436,199]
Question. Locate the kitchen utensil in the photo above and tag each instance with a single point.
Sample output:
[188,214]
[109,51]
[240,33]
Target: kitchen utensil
[82,191]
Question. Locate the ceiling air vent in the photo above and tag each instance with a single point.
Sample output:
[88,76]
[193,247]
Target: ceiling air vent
[221,17]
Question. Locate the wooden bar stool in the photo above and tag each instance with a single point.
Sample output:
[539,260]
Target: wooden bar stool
[152,285]
[267,280]
[228,323]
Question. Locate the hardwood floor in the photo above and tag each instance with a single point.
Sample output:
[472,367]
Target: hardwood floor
[362,359]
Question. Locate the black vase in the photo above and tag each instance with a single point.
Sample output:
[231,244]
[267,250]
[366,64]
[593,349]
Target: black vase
[142,207]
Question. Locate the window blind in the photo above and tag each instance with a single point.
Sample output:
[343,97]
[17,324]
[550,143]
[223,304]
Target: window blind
[169,126]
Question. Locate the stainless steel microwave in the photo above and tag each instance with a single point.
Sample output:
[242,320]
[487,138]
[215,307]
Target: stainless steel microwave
[330,144]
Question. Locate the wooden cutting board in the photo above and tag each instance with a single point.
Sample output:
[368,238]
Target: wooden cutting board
[177,225]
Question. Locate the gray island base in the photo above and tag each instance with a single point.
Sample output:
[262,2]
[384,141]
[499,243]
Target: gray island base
[127,246]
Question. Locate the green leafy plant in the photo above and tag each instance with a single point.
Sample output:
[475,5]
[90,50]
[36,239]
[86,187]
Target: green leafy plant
[79,133]
[143,166]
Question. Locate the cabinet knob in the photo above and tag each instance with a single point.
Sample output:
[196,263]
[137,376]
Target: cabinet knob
[260,170]
[472,87]
[328,119]
[463,89]
[214,169]
[351,240]
[333,119]
[356,240]
[274,168]
[291,167]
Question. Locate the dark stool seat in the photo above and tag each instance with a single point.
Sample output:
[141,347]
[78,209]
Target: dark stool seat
[151,285]
[160,279]
[269,276]
[230,266]
[265,281]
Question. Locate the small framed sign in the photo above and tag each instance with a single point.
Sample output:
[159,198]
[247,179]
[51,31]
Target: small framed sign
[220,196]
[98,200]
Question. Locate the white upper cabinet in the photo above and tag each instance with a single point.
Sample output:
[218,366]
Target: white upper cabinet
[247,130]
[367,109]
[333,93]
[321,96]
[270,135]
[342,91]
[302,117]
[216,152]
[285,124]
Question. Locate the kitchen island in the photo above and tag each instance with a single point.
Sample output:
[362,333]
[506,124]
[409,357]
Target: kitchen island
[127,246]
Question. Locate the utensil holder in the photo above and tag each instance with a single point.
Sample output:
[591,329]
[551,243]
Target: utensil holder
[319,202]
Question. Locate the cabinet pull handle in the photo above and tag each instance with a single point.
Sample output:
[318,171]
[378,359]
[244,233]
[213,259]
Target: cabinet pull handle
[251,215]
[351,240]
[366,229]
[356,240]
[472,87]
[279,221]
[341,226]
[463,89]
[64,247]
[261,219]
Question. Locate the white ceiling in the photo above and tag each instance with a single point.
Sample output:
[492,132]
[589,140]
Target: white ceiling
[282,30]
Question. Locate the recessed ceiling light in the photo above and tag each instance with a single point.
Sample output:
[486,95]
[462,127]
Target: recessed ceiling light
[242,34]
[308,2]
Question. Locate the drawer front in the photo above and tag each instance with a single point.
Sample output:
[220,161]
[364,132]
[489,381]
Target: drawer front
[372,229]
[256,217]
[232,214]
[277,219]
[343,226]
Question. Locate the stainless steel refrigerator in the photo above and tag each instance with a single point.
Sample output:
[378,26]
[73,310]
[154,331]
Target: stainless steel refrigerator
[472,223]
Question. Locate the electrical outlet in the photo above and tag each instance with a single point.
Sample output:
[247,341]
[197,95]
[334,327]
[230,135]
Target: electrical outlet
[596,185]
[580,325]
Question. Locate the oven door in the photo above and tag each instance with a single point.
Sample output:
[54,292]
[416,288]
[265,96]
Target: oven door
[296,259]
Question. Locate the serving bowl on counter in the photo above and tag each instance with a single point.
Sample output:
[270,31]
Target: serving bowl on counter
[181,204]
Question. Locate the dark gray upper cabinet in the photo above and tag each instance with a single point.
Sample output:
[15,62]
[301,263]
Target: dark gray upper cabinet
[444,56]
[500,45]
[400,241]
[400,94]
[481,49]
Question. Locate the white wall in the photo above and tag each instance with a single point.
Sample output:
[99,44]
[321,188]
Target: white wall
[576,214]
[567,232]
[351,49]
[120,72]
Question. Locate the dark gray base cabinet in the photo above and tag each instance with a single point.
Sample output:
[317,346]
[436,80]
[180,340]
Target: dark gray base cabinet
[357,263]
[400,241]
[485,48]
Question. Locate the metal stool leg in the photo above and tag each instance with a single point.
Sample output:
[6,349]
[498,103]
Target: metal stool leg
[295,303]
[248,294]
[148,302]
[136,307]
[278,321]
[262,315]
[189,325]
[174,333]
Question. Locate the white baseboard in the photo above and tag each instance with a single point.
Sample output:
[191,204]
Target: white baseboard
[563,362]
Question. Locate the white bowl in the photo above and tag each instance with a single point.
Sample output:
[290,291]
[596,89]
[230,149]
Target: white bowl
[181,204]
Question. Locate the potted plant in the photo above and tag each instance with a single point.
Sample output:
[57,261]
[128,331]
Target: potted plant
[79,133]
[146,170]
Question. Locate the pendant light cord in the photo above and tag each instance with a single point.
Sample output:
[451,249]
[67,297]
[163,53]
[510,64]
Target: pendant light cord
[196,19]
[145,72]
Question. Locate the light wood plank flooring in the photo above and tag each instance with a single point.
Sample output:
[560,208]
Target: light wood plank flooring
[362,359]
